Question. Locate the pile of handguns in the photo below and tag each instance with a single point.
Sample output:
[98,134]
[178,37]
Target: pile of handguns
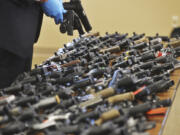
[94,85]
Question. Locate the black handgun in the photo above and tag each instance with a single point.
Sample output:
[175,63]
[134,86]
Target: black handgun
[78,9]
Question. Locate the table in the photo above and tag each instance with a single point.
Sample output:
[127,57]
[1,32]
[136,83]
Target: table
[169,94]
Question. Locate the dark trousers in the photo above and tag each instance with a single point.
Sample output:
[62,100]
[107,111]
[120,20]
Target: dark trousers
[11,66]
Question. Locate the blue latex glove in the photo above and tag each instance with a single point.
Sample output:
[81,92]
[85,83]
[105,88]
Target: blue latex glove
[54,9]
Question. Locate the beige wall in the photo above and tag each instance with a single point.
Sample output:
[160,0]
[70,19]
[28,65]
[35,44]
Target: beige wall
[149,16]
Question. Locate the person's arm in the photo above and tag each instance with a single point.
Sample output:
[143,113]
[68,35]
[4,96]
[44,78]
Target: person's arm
[23,3]
[52,8]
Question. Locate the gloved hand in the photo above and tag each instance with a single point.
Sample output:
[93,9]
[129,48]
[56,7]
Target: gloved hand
[54,9]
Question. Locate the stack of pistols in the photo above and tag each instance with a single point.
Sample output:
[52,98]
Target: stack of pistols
[94,85]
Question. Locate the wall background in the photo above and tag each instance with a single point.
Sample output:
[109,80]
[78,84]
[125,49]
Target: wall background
[124,16]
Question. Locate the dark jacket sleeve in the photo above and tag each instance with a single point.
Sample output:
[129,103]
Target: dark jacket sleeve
[23,2]
[20,27]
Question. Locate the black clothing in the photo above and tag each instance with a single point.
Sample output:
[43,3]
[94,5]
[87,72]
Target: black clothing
[11,66]
[23,2]
[19,29]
